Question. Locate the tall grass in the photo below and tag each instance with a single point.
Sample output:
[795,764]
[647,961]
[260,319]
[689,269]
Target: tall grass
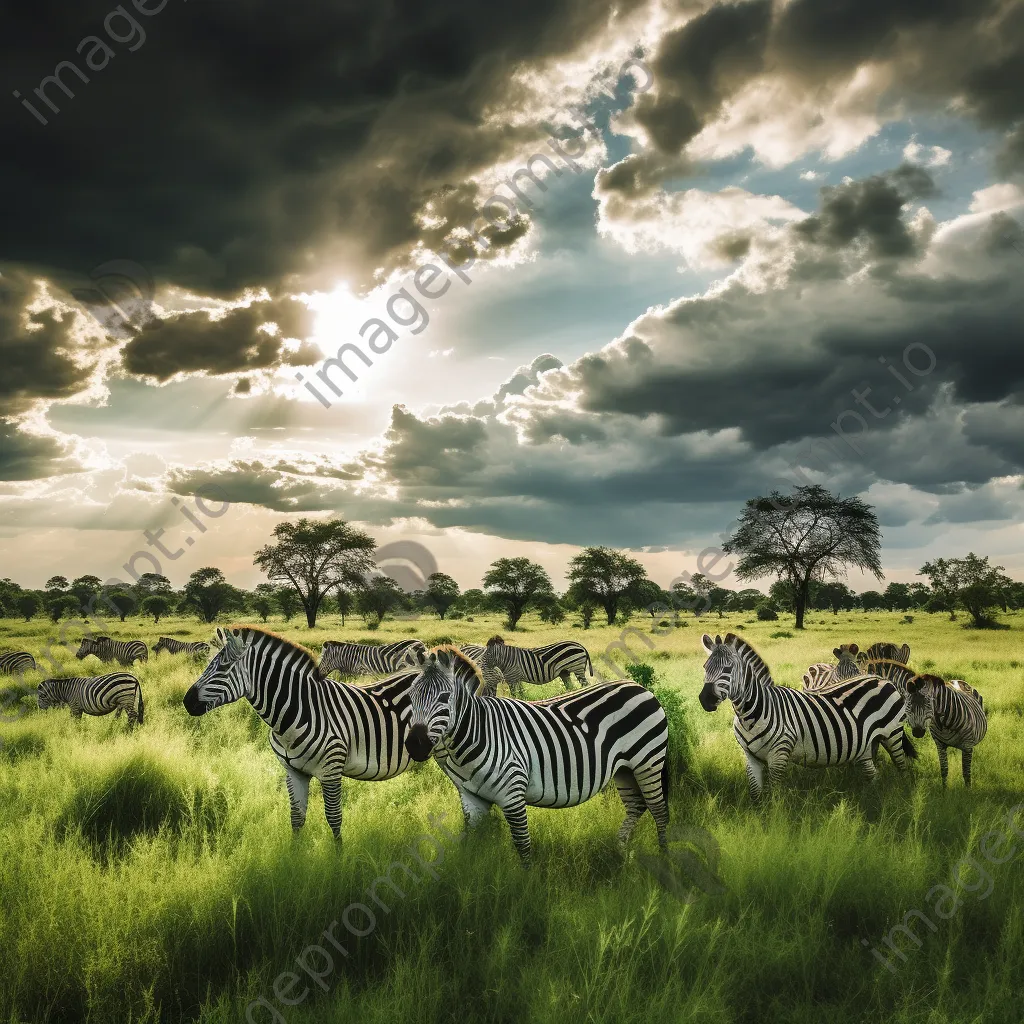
[153,876]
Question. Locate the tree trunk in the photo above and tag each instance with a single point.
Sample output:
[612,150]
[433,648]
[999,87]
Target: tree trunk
[800,604]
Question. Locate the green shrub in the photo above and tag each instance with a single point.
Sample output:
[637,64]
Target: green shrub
[682,737]
[766,612]
[642,673]
[781,634]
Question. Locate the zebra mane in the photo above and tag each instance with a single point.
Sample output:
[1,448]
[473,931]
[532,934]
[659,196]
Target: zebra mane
[456,652]
[747,653]
[263,631]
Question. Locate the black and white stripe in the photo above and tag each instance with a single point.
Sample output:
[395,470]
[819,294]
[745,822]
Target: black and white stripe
[518,665]
[196,648]
[776,725]
[364,660]
[318,728]
[822,674]
[14,663]
[95,695]
[557,752]
[953,714]
[127,652]
[885,651]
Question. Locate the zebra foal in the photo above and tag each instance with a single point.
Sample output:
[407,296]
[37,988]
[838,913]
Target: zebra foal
[537,665]
[557,752]
[95,695]
[196,649]
[126,652]
[775,725]
[821,675]
[318,728]
[952,713]
[350,659]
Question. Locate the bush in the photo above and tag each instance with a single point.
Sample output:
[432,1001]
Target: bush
[781,634]
[766,612]
[456,615]
[642,673]
[908,618]
[441,638]
[681,736]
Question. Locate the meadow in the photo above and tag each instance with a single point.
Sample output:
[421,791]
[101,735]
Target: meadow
[154,877]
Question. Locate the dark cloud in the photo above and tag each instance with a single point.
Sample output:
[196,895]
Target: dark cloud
[237,146]
[235,341]
[870,209]
[29,456]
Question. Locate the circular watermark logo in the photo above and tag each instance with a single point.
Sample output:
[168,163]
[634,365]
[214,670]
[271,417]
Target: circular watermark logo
[688,869]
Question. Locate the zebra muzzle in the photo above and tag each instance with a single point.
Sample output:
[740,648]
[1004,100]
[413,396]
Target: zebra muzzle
[418,744]
[193,705]
[918,732]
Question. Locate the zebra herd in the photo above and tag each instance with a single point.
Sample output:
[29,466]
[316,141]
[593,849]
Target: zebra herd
[844,712]
[515,753]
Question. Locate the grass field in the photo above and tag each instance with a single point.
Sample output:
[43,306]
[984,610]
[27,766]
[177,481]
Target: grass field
[154,876]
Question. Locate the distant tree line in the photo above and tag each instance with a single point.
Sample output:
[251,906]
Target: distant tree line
[317,567]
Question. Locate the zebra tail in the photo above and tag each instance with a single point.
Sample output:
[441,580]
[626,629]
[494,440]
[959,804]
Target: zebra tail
[909,749]
[142,708]
[590,667]
[665,778]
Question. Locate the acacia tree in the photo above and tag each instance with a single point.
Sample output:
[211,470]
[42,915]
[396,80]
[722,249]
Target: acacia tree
[515,583]
[314,556]
[157,605]
[810,536]
[441,593]
[606,577]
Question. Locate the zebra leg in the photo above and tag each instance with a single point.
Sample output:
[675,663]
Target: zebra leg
[581,678]
[755,776]
[867,765]
[474,808]
[649,779]
[965,764]
[515,815]
[629,792]
[777,766]
[298,795]
[566,679]
[332,805]
[943,761]
[894,748]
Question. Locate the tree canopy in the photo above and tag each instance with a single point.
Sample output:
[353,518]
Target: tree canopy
[811,535]
[314,556]
[606,577]
[515,583]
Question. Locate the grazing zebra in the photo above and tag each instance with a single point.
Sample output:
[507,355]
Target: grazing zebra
[557,752]
[15,663]
[318,728]
[363,660]
[821,675]
[884,651]
[95,695]
[124,651]
[518,665]
[198,648]
[775,725]
[954,716]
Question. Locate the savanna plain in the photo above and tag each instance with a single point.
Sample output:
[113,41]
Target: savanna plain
[153,876]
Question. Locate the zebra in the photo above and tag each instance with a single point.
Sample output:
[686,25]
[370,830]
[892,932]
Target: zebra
[822,675]
[362,659]
[557,752]
[95,695]
[953,714]
[775,725]
[124,651]
[884,651]
[16,663]
[318,728]
[198,648]
[518,665]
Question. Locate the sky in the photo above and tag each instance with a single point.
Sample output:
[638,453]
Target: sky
[507,283]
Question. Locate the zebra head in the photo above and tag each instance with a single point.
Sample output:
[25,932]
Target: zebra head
[47,696]
[719,671]
[226,677]
[848,662]
[436,697]
[919,707]
[90,645]
[492,662]
[160,645]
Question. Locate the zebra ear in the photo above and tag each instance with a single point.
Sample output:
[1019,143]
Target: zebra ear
[718,639]
[837,651]
[707,642]
[905,652]
[445,659]
[854,648]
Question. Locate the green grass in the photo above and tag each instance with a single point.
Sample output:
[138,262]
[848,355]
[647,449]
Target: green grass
[154,877]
